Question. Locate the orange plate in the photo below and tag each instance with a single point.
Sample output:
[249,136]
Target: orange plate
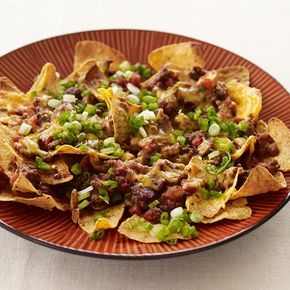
[55,229]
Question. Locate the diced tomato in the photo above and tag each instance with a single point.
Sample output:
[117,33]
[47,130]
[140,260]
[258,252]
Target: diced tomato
[207,83]
[121,81]
[31,111]
[135,79]
[16,138]
[45,140]
[35,120]
[196,141]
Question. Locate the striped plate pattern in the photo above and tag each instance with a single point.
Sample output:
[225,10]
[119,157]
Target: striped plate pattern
[55,229]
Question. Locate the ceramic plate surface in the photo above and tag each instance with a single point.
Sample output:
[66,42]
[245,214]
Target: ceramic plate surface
[55,229]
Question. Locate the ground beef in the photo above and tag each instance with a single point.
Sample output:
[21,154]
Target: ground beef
[220,91]
[168,204]
[265,146]
[149,147]
[121,174]
[152,215]
[29,172]
[159,184]
[272,165]
[195,138]
[227,108]
[74,91]
[140,198]
[175,193]
[196,73]
[170,151]
[164,79]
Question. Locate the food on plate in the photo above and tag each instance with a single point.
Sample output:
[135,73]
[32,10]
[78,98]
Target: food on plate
[153,151]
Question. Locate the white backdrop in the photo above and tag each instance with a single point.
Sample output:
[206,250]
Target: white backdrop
[258,31]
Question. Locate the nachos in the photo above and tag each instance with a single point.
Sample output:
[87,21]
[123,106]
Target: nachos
[151,150]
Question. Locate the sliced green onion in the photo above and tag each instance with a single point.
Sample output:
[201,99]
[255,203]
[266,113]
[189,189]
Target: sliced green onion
[204,193]
[24,129]
[109,141]
[103,194]
[33,94]
[178,132]
[90,109]
[53,103]
[83,196]
[193,232]
[86,190]
[164,218]
[154,158]
[196,217]
[76,169]
[213,154]
[125,66]
[153,106]
[83,204]
[96,236]
[162,234]
[112,184]
[84,148]
[85,93]
[108,151]
[133,99]
[203,123]
[172,241]
[149,99]
[175,225]
[135,123]
[110,170]
[171,139]
[153,203]
[214,129]
[118,152]
[243,126]
[181,140]
[223,144]
[216,194]
[40,164]
[143,132]
[69,98]
[63,117]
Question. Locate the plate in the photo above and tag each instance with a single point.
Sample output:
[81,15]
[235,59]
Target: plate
[55,229]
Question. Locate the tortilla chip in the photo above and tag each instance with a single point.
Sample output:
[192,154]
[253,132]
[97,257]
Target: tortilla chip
[186,55]
[121,109]
[234,210]
[22,184]
[98,51]
[260,180]
[249,145]
[248,100]
[67,149]
[8,157]
[46,81]
[281,135]
[10,96]
[140,235]
[87,71]
[226,74]
[62,169]
[162,169]
[108,218]
[210,207]
[44,201]
[261,127]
